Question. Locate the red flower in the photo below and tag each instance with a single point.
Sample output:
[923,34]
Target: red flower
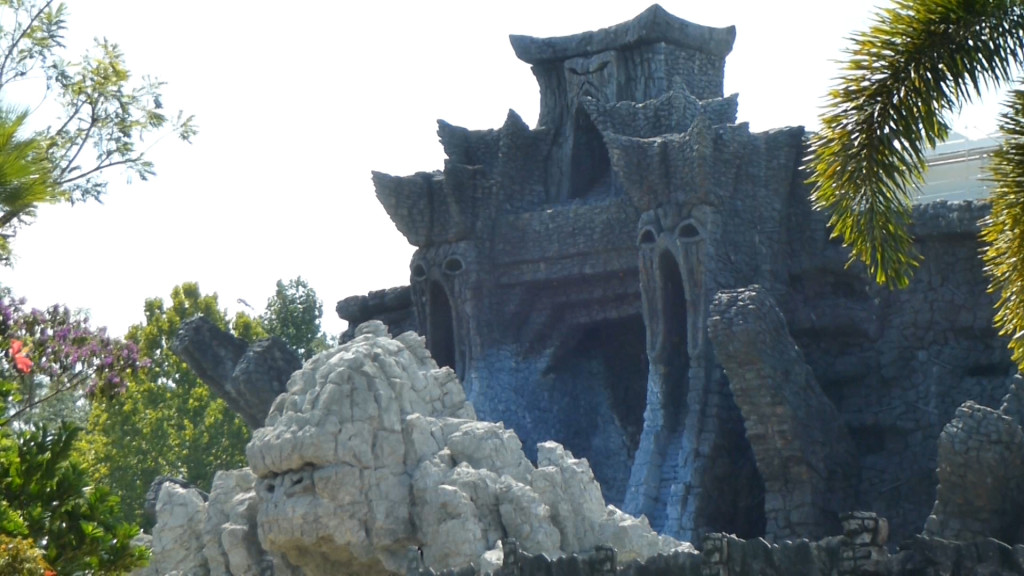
[21,362]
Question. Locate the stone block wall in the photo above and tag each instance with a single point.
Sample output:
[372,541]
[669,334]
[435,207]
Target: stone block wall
[898,363]
[860,551]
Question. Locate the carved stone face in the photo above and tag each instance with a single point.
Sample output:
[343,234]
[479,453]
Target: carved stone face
[673,247]
[595,76]
[374,449]
[331,463]
[439,278]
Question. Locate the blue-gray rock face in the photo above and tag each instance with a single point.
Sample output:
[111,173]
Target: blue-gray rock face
[566,272]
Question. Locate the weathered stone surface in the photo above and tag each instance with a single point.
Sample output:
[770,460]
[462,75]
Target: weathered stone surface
[392,306]
[981,478]
[566,271]
[153,495]
[231,544]
[374,447]
[248,378]
[804,455]
[215,534]
[178,534]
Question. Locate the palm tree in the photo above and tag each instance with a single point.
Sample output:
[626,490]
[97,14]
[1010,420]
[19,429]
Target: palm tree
[26,176]
[919,62]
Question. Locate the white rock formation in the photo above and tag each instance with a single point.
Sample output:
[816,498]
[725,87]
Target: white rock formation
[231,544]
[178,534]
[374,449]
[217,538]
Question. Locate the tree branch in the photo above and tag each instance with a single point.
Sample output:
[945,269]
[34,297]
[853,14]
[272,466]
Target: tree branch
[11,48]
[99,168]
[32,404]
[71,117]
[85,140]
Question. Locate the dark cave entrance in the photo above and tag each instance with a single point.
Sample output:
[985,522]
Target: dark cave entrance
[441,329]
[601,374]
[734,502]
[590,165]
[618,348]
[674,357]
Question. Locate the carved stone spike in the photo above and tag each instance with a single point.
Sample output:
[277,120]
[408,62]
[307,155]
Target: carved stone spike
[800,444]
[247,379]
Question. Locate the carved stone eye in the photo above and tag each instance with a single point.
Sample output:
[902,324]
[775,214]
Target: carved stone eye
[688,231]
[419,271]
[647,237]
[453,265]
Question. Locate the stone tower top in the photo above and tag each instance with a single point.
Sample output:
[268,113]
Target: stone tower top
[639,60]
[652,26]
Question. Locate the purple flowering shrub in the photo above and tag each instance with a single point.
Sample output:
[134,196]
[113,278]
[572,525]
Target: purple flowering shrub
[49,504]
[70,360]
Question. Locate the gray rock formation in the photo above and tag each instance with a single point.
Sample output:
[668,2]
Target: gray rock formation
[216,534]
[374,448]
[981,478]
[859,551]
[153,496]
[566,273]
[392,306]
[803,453]
[248,378]
[177,545]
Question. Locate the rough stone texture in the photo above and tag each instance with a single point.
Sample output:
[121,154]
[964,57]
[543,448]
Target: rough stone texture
[153,495]
[566,273]
[231,544]
[803,453]
[981,477]
[859,551]
[178,534]
[392,306]
[248,378]
[374,448]
[216,534]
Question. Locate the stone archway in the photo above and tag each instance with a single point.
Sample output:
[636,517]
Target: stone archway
[441,327]
[672,358]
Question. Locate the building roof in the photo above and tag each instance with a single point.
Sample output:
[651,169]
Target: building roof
[652,26]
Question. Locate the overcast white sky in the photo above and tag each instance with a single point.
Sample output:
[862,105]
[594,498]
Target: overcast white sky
[297,102]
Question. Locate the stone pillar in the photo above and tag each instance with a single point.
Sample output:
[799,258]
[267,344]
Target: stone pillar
[862,551]
[981,476]
[715,555]
[802,449]
[604,561]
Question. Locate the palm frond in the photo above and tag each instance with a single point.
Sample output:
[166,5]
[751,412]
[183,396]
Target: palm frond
[920,61]
[1003,230]
[26,176]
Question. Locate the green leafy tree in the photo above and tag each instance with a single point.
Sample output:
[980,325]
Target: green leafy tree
[20,557]
[103,115]
[919,63]
[46,494]
[167,422]
[293,314]
[78,525]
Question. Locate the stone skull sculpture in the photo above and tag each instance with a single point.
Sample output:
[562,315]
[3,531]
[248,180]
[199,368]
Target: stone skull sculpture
[374,449]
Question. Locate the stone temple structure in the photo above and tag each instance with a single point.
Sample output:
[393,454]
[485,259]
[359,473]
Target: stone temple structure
[588,281]
[641,279]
